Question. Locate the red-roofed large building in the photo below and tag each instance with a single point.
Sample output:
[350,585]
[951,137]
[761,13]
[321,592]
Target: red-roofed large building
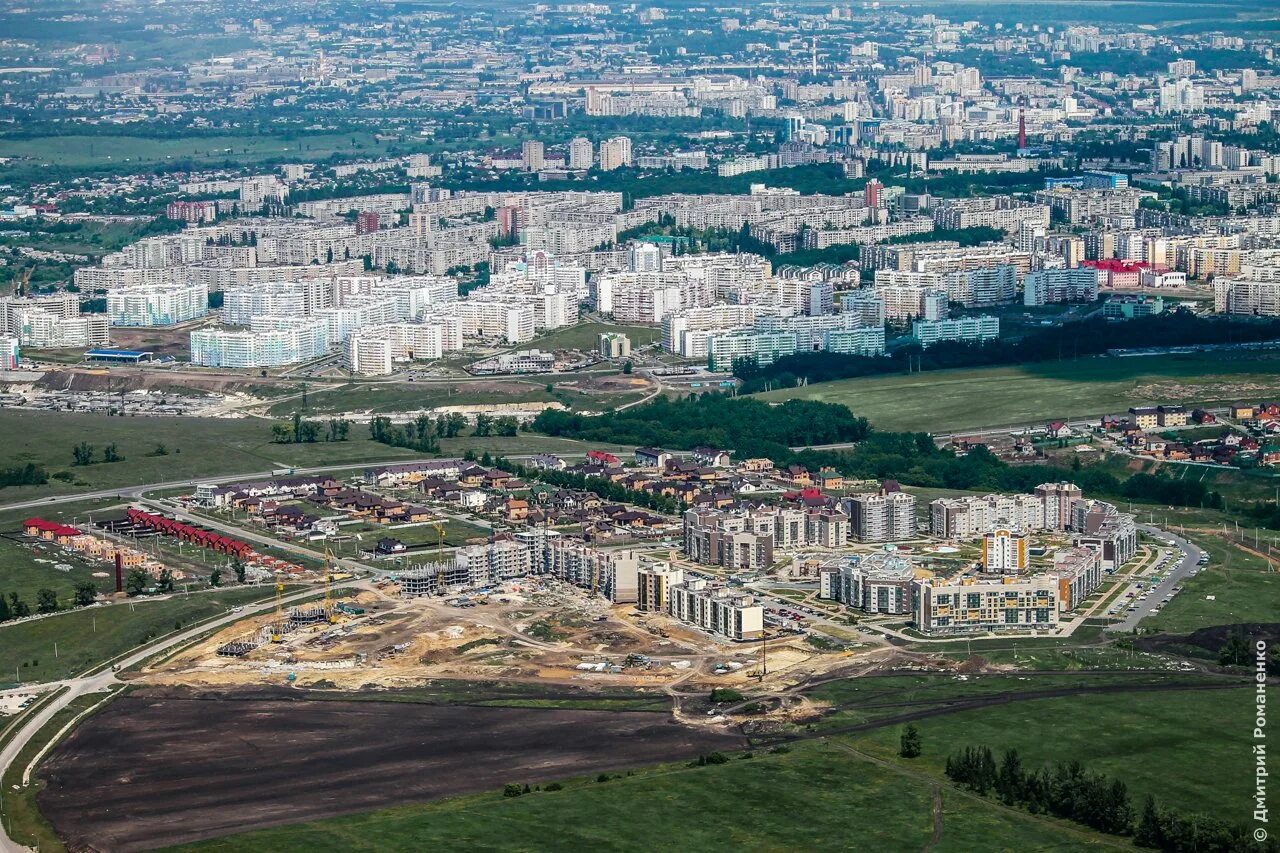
[1118,274]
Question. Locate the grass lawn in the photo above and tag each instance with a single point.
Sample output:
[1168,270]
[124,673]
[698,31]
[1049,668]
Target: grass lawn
[1190,749]
[815,797]
[92,635]
[586,336]
[944,400]
[197,447]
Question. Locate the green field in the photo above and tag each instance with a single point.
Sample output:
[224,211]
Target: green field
[816,797]
[90,636]
[1190,749]
[945,400]
[101,151]
[852,791]
[197,447]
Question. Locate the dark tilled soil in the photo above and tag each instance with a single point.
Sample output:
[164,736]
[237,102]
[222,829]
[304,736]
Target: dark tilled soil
[151,771]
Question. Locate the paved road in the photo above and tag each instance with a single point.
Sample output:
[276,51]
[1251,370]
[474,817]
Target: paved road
[1175,576]
[138,491]
[98,682]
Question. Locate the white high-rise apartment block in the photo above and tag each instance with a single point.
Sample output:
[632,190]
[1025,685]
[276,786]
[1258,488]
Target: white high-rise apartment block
[615,153]
[645,257]
[479,318]
[533,155]
[273,341]
[1181,96]
[374,350]
[287,299]
[1240,296]
[581,153]
[157,305]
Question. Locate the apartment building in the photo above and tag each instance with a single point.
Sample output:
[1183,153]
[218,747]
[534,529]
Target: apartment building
[973,604]
[1078,572]
[271,342]
[876,583]
[611,574]
[735,540]
[1059,499]
[973,329]
[480,318]
[157,304]
[654,583]
[1244,296]
[615,153]
[970,516]
[717,610]
[374,350]
[881,517]
[1002,212]
[760,346]
[1043,287]
[10,353]
[1004,551]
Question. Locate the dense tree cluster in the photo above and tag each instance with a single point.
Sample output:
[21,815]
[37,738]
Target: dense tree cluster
[1086,337]
[1068,790]
[1064,790]
[23,475]
[300,431]
[419,435]
[748,427]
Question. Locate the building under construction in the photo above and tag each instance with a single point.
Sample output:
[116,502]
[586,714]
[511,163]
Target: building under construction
[612,574]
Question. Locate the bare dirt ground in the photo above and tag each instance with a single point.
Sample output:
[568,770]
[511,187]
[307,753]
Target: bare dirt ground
[158,767]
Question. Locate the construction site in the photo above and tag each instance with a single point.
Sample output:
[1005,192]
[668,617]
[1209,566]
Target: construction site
[527,630]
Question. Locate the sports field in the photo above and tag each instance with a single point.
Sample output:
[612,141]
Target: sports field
[947,400]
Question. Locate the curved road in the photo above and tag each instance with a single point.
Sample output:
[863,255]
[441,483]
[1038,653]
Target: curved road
[97,682]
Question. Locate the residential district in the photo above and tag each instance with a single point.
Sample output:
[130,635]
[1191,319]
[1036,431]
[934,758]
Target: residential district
[634,386]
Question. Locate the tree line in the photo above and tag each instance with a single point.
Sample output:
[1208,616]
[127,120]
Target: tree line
[1069,790]
[419,435]
[14,607]
[1092,336]
[748,427]
[302,431]
[29,474]
[753,428]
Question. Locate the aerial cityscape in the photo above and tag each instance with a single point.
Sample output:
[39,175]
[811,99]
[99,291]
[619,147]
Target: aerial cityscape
[480,426]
